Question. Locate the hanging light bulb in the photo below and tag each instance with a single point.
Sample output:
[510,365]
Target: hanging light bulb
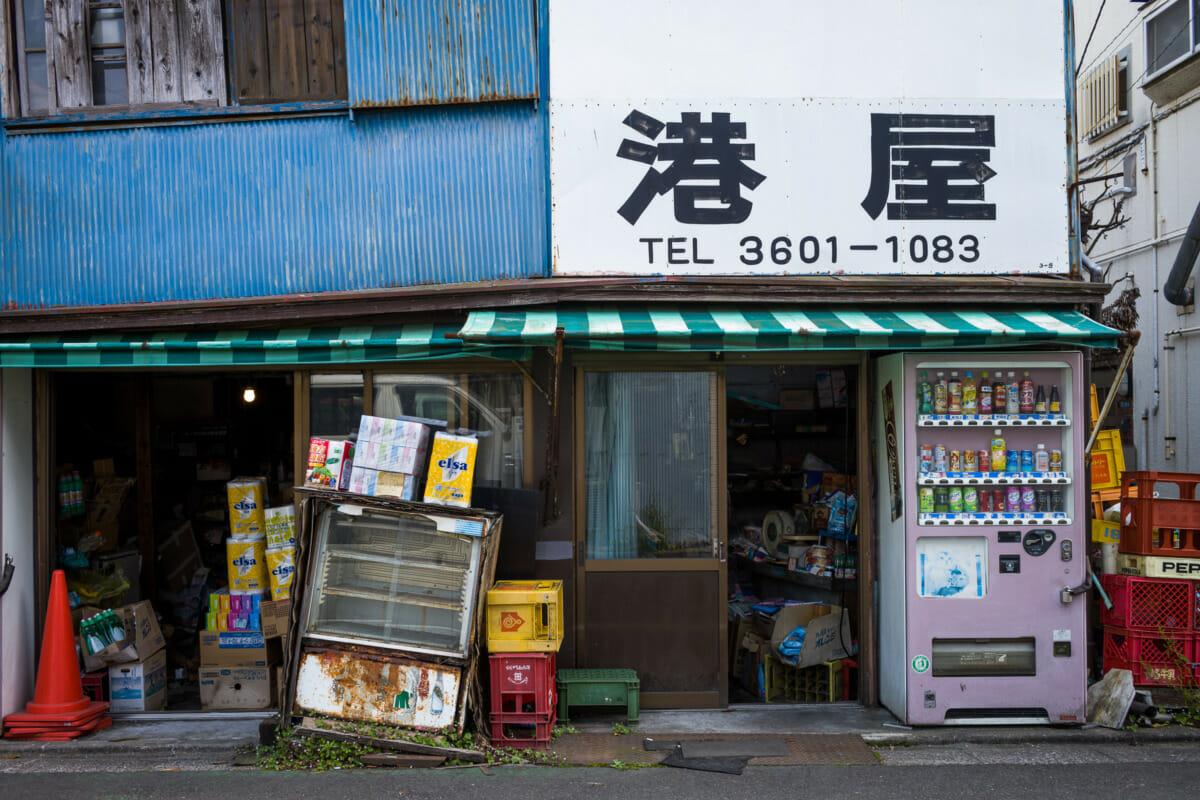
[249,395]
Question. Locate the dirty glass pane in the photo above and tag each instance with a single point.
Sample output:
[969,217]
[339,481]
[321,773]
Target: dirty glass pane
[34,13]
[335,405]
[392,578]
[489,406]
[35,78]
[1168,36]
[648,464]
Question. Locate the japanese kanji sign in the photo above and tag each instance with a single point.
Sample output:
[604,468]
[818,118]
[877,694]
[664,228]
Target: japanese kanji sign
[933,155]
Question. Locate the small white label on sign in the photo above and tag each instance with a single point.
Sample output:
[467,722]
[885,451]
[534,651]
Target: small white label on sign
[1062,635]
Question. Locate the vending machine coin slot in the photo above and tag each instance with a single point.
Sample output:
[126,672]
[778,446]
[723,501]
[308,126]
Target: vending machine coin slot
[1037,542]
[1010,565]
[1066,549]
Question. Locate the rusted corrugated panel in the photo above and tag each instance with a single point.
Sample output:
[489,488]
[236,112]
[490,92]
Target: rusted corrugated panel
[358,686]
[243,209]
[400,52]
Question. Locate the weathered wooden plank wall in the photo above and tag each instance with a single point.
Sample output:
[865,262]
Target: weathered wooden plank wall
[139,52]
[321,79]
[66,38]
[164,29]
[202,65]
[286,40]
[248,28]
[8,83]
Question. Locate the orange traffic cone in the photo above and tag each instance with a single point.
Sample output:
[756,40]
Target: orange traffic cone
[58,703]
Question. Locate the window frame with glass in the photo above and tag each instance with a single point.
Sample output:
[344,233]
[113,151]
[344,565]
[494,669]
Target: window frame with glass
[503,468]
[222,54]
[1150,28]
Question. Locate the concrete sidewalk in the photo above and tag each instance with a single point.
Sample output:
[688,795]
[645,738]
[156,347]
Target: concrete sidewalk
[826,733]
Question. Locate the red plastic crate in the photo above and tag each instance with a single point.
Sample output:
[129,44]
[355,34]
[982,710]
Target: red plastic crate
[1149,604]
[1142,513]
[95,685]
[523,683]
[1154,659]
[522,730]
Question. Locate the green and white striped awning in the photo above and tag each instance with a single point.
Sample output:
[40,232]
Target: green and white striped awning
[301,346]
[763,328]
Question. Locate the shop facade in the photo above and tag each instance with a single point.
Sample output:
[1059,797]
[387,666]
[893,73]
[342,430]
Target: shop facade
[655,374]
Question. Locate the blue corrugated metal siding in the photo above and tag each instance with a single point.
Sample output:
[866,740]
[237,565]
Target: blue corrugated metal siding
[413,52]
[393,198]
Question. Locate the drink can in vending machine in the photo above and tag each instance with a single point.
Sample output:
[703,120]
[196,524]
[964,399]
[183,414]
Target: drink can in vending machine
[1013,461]
[1056,501]
[1012,498]
[984,459]
[985,500]
[1056,462]
[925,496]
[955,460]
[941,500]
[926,458]
[970,499]
[1041,500]
[998,504]
[1026,461]
[970,462]
[956,500]
[1028,500]
[939,458]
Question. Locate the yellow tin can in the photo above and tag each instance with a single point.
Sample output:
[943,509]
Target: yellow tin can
[524,616]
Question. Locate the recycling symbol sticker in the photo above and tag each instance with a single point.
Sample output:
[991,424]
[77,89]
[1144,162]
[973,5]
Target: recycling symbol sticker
[920,664]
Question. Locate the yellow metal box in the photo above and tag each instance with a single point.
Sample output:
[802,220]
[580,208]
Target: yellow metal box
[525,617]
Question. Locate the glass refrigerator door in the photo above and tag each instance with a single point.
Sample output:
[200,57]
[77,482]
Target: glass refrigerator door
[394,579]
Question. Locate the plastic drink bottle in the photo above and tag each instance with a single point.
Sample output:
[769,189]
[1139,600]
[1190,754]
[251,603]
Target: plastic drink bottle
[985,395]
[955,392]
[941,395]
[970,401]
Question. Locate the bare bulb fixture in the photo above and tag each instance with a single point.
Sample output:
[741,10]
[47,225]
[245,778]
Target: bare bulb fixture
[249,395]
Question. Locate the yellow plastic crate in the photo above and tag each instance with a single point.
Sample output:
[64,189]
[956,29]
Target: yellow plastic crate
[821,683]
[525,617]
[1107,461]
[1158,566]
[1105,531]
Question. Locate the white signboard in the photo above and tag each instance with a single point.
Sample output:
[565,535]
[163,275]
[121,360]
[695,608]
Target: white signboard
[745,143]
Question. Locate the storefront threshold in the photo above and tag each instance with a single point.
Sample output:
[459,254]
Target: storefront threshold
[190,716]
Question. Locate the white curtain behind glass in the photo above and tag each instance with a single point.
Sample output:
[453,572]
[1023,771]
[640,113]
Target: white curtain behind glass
[648,465]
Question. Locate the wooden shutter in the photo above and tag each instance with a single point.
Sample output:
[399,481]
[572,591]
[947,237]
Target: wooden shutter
[174,51]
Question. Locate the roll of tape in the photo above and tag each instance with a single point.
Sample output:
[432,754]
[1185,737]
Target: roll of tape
[776,526]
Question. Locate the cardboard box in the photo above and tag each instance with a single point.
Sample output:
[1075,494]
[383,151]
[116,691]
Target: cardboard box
[143,637]
[105,508]
[822,641]
[330,462]
[236,688]
[831,388]
[797,399]
[220,649]
[276,616]
[129,562]
[374,483]
[178,557]
[139,686]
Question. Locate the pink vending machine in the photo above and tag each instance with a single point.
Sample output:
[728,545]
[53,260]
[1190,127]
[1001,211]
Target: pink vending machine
[982,549]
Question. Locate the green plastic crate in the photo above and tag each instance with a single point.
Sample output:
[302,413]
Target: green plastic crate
[598,687]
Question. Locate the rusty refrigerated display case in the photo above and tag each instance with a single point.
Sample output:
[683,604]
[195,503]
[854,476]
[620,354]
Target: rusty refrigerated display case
[387,611]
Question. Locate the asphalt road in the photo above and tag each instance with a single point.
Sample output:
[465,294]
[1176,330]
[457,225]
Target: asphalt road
[1061,772]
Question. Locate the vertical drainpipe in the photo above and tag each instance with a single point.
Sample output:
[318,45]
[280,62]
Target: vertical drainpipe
[1072,154]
